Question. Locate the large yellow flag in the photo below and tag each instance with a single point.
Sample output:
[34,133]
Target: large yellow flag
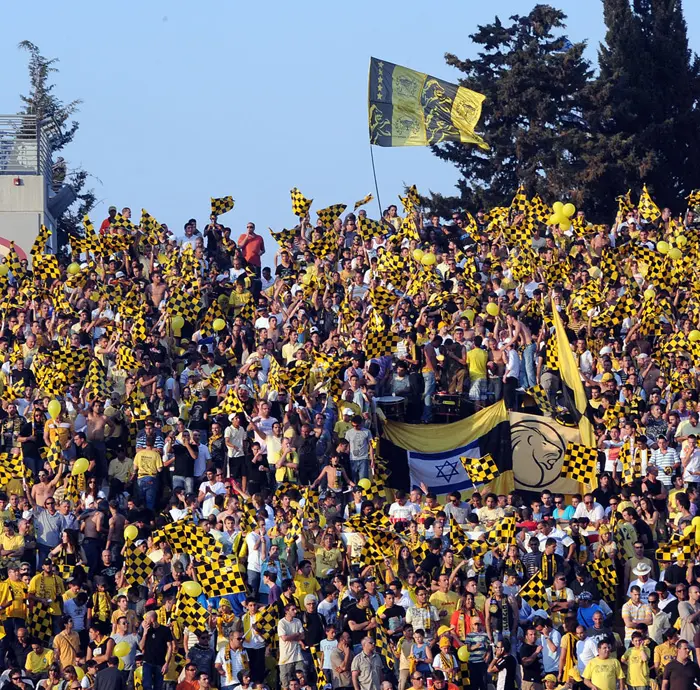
[571,377]
[408,108]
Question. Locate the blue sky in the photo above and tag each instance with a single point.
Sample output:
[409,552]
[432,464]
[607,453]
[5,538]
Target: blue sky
[183,102]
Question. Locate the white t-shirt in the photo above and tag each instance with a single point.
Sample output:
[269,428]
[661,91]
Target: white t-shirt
[289,652]
[563,540]
[203,458]
[255,559]
[327,646]
[209,502]
[235,437]
[596,513]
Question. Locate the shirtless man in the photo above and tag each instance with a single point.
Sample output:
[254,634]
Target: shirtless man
[336,477]
[99,427]
[45,488]
[521,335]
[157,289]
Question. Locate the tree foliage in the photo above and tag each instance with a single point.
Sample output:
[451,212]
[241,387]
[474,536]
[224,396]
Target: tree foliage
[567,132]
[45,104]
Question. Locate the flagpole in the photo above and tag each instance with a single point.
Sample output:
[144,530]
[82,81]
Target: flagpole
[376,186]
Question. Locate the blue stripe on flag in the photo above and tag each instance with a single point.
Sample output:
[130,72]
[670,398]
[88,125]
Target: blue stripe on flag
[456,452]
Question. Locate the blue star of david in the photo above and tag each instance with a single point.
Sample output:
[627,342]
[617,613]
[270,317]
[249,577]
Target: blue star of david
[447,470]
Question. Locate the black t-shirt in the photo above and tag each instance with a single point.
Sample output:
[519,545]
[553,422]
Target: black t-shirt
[30,449]
[393,615]
[681,676]
[506,665]
[184,462]
[156,647]
[197,419]
[358,615]
[532,672]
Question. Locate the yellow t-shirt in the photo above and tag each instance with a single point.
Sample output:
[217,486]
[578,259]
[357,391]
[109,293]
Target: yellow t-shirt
[306,585]
[39,663]
[15,592]
[447,601]
[327,559]
[14,543]
[604,673]
[148,463]
[121,470]
[637,660]
[476,361]
[67,647]
[48,587]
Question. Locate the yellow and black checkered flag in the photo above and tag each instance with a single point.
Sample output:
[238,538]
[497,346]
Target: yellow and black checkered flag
[39,623]
[371,228]
[46,267]
[125,358]
[361,202]
[534,592]
[520,203]
[379,343]
[580,463]
[190,612]
[138,567]
[480,470]
[603,572]
[300,204]
[96,381]
[121,222]
[681,547]
[539,395]
[330,214]
[539,210]
[39,246]
[693,198]
[284,236]
[222,577]
[624,204]
[503,532]
[383,647]
[648,210]
[222,205]
[381,298]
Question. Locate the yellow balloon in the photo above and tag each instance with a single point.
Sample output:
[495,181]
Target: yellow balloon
[81,674]
[121,648]
[54,409]
[138,673]
[492,309]
[80,466]
[306,278]
[130,533]
[4,269]
[463,653]
[194,589]
[564,225]
[364,483]
[694,336]
[219,325]
[649,293]
[558,207]
[681,240]
[178,322]
[662,247]
[428,259]
[418,254]
[470,314]
[120,665]
[675,253]
[94,296]
[73,268]
[553,219]
[569,210]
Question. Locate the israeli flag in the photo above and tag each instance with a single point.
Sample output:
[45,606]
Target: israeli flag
[442,472]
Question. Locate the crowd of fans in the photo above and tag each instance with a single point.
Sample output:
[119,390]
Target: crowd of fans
[123,413]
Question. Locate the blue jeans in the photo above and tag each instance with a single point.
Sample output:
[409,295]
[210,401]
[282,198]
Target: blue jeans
[428,391]
[528,372]
[148,488]
[152,677]
[359,469]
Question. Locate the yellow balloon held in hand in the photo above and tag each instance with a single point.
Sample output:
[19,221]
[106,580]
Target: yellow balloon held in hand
[364,483]
[470,314]
[662,247]
[675,253]
[681,240]
[463,653]
[80,466]
[492,309]
[73,268]
[557,207]
[54,409]
[694,336]
[649,293]
[218,325]
[130,533]
[569,210]
[121,648]
[428,259]
[418,254]
[178,322]
[194,589]
[4,269]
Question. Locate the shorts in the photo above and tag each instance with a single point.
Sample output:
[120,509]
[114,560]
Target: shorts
[288,672]
[236,467]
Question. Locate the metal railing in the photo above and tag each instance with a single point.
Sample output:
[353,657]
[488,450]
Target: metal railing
[24,146]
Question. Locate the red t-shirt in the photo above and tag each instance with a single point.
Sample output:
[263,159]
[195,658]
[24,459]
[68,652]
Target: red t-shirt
[252,249]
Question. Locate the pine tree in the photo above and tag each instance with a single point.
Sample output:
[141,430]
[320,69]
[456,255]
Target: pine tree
[533,115]
[42,102]
[643,112]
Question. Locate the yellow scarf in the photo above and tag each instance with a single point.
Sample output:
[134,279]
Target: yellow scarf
[101,606]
